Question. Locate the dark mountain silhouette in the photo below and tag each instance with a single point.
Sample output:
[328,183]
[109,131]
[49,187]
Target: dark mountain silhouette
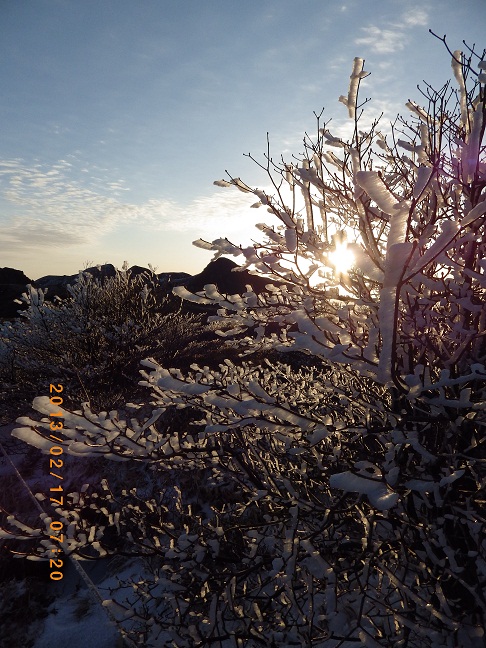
[222,274]
[12,276]
[13,283]
[56,285]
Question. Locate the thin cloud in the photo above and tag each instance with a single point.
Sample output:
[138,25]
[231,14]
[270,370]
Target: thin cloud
[395,36]
[38,234]
[415,17]
[382,41]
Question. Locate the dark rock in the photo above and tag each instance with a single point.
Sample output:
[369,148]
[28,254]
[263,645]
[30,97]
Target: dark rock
[169,280]
[135,271]
[12,276]
[55,285]
[13,283]
[103,271]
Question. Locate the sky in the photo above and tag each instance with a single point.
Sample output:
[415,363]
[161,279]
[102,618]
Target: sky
[117,116]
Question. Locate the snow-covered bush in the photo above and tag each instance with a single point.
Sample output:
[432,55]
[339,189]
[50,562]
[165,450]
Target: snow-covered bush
[96,337]
[341,503]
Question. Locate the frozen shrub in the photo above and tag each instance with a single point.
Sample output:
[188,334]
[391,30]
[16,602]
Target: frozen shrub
[96,337]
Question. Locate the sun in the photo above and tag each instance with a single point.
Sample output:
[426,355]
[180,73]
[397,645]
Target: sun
[341,258]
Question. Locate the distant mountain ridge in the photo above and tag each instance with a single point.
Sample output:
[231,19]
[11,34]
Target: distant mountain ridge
[13,283]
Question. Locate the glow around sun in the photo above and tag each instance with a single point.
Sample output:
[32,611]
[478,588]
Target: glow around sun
[342,258]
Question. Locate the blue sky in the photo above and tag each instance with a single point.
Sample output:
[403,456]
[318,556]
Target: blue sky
[117,116]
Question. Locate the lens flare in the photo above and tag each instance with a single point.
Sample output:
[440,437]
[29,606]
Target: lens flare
[342,258]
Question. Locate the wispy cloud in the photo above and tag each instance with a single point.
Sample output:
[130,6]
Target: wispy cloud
[395,36]
[415,17]
[382,41]
[52,207]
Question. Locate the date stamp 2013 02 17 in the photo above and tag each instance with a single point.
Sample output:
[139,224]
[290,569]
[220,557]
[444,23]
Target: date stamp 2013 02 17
[56,493]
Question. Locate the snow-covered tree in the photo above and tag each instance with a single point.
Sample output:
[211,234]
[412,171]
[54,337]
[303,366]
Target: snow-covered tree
[340,503]
[405,212]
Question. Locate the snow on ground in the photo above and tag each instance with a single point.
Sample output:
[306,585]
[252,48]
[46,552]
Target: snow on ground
[77,622]
[76,619]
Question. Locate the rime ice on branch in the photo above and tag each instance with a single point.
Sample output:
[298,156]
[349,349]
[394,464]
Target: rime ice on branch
[415,224]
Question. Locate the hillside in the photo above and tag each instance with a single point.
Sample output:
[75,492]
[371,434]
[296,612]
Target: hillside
[222,272]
